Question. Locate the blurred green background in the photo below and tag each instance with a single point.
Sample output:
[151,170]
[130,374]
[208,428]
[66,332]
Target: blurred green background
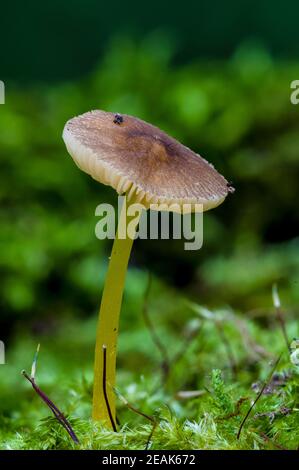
[215,75]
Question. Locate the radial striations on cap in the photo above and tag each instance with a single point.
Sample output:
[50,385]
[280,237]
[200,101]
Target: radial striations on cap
[140,160]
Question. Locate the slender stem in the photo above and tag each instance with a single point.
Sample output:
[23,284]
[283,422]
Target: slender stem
[108,324]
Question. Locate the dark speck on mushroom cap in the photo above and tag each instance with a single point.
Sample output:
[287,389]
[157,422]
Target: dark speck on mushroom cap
[134,156]
[118,119]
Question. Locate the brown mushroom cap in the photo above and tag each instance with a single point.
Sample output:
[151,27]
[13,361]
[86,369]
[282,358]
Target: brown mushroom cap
[140,160]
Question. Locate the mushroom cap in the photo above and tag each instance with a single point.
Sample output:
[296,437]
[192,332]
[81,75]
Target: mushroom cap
[139,159]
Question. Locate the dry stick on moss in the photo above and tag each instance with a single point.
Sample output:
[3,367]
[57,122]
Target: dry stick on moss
[259,396]
[104,383]
[280,315]
[56,412]
[140,413]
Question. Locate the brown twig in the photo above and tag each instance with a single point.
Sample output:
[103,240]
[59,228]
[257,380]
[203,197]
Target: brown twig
[234,413]
[140,413]
[57,413]
[105,389]
[258,396]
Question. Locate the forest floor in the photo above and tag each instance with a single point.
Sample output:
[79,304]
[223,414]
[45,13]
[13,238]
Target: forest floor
[194,374]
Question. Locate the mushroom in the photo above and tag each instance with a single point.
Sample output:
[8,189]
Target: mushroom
[148,166]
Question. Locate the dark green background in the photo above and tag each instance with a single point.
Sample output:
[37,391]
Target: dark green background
[64,39]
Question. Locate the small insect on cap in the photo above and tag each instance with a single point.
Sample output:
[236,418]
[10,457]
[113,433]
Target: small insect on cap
[140,160]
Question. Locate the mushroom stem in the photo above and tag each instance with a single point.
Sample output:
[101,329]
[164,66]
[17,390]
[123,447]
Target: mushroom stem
[108,324]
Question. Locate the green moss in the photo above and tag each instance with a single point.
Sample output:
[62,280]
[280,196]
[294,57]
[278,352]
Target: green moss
[210,420]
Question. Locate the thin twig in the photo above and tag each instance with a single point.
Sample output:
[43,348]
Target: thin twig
[132,408]
[57,413]
[105,390]
[236,411]
[258,396]
[140,413]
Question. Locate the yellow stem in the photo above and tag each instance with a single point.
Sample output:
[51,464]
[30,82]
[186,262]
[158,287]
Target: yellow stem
[108,324]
